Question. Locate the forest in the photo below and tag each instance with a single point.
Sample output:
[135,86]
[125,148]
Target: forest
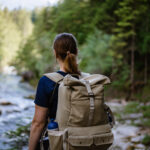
[113,39]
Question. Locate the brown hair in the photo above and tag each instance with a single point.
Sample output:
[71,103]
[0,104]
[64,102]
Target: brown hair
[65,46]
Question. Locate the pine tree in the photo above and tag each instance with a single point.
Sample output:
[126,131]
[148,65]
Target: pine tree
[126,34]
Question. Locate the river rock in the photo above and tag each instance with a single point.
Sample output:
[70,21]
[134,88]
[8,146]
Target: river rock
[126,130]
[5,103]
[128,121]
[30,97]
[138,121]
[140,146]
[27,75]
[11,111]
[133,116]
[135,147]
[137,139]
[130,147]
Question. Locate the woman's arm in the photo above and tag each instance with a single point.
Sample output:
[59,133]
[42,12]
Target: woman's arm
[37,126]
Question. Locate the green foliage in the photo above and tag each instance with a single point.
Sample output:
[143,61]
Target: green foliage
[126,31]
[25,54]
[95,53]
[146,140]
[121,82]
[13,29]
[9,39]
[23,21]
[144,94]
[132,107]
[107,32]
[71,16]
[19,137]
[145,122]
[50,21]
[36,55]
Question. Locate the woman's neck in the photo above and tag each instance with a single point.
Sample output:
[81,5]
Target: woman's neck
[61,67]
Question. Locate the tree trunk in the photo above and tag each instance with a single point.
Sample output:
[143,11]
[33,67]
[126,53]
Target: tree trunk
[132,65]
[145,69]
[145,59]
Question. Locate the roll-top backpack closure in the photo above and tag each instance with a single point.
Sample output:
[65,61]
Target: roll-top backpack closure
[93,79]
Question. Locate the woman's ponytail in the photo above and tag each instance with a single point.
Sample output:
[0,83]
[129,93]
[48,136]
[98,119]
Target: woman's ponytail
[70,63]
[65,46]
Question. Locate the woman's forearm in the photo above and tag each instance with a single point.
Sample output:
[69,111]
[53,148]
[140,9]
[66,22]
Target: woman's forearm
[35,133]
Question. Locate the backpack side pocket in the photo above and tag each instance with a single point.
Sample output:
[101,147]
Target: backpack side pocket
[57,139]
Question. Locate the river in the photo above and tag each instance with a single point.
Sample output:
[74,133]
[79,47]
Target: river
[16,109]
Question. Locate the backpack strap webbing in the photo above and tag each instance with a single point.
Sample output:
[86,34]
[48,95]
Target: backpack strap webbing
[54,76]
[91,96]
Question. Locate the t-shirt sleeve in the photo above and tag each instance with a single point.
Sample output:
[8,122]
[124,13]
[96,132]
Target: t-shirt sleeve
[42,97]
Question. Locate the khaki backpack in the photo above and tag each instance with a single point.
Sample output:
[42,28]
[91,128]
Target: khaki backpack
[82,115]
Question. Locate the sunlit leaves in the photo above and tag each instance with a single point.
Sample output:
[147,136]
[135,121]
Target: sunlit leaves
[96,55]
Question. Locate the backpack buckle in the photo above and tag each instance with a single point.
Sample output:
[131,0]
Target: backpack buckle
[91,94]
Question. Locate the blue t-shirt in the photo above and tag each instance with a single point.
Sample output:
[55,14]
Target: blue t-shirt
[44,92]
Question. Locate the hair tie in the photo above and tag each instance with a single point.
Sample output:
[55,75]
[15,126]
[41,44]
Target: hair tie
[68,52]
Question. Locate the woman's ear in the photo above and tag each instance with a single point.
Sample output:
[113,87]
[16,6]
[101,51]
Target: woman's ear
[54,52]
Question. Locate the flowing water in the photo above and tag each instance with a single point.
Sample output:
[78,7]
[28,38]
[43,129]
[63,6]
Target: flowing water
[19,110]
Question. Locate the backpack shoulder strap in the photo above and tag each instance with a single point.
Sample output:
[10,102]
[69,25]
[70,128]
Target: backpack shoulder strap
[54,76]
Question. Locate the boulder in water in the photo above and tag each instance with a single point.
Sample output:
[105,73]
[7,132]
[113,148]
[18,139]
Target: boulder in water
[27,75]
[5,103]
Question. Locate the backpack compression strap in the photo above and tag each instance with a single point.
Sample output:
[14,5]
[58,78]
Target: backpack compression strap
[56,77]
[91,96]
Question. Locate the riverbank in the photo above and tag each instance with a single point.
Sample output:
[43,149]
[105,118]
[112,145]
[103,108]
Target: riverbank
[17,109]
[130,132]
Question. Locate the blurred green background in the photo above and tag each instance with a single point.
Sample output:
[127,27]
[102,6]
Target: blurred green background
[113,39]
